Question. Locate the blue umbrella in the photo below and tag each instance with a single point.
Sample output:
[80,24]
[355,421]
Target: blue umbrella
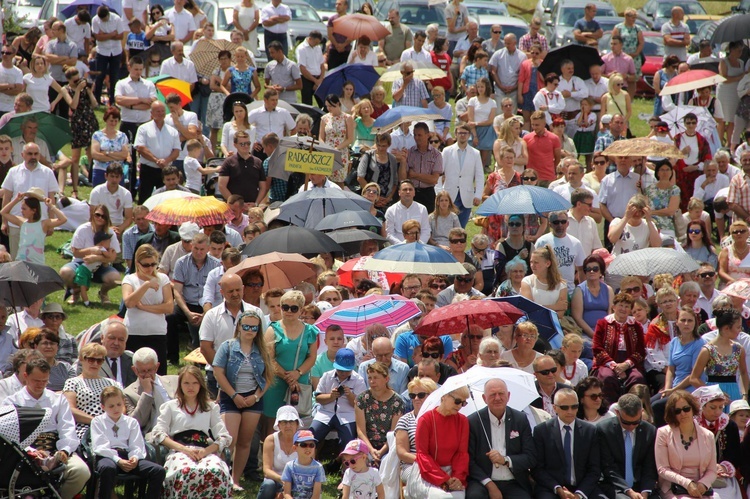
[363,76]
[523,200]
[402,114]
[93,6]
[545,320]
[415,258]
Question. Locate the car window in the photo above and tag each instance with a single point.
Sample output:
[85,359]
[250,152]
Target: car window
[569,15]
[653,46]
[323,4]
[421,15]
[665,9]
[519,31]
[487,10]
[302,12]
[226,19]
[29,3]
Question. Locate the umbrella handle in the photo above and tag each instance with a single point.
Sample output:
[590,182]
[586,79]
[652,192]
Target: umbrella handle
[484,430]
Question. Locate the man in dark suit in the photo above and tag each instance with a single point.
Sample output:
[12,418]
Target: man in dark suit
[118,364]
[501,449]
[567,453]
[628,470]
[544,370]
[160,239]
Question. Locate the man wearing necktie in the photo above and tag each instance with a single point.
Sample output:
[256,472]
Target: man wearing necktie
[627,452]
[149,391]
[567,453]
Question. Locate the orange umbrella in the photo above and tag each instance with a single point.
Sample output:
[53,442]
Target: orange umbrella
[206,210]
[279,270]
[166,85]
[355,25]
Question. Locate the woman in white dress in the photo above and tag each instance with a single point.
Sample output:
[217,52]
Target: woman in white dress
[38,83]
[246,18]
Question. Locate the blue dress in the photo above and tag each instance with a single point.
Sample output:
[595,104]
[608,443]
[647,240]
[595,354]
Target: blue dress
[242,80]
[594,307]
[682,358]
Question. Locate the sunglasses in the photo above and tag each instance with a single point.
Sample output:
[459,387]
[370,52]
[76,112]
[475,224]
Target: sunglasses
[420,395]
[545,372]
[155,61]
[475,337]
[559,222]
[254,284]
[349,462]
[688,123]
[630,423]
[515,224]
[7,52]
[293,308]
[458,241]
[594,396]
[243,144]
[306,445]
[694,231]
[738,231]
[407,73]
[54,317]
[465,280]
[571,407]
[591,269]
[434,141]
[706,275]
[94,360]
[632,290]
[685,409]
[248,327]
[98,215]
[147,265]
[600,162]
[438,286]
[460,402]
[528,179]
[431,355]
[371,191]
[497,32]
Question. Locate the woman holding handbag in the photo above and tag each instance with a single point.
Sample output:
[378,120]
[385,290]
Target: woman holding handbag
[293,347]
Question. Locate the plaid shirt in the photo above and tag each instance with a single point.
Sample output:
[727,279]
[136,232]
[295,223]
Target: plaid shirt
[414,93]
[428,162]
[277,192]
[605,140]
[526,42]
[472,74]
[739,191]
[68,349]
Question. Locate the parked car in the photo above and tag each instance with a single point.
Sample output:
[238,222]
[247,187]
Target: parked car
[416,14]
[657,12]
[327,8]
[566,13]
[28,11]
[478,9]
[653,51]
[606,22]
[510,24]
[695,21]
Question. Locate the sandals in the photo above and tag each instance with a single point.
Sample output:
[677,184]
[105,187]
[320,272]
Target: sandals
[104,299]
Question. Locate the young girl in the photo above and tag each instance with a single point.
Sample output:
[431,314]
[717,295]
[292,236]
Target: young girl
[640,313]
[585,135]
[33,229]
[575,370]
[360,480]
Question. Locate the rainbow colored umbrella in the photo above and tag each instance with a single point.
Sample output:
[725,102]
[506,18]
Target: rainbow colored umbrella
[206,210]
[166,85]
[354,316]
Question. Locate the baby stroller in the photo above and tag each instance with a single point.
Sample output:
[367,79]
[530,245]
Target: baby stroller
[20,476]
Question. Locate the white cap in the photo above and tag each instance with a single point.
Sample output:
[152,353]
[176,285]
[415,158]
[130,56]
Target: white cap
[606,119]
[287,413]
[188,230]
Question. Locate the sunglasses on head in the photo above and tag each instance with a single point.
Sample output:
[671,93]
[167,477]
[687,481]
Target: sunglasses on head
[248,327]
[685,409]
[571,407]
[431,355]
[545,372]
[420,395]
[294,308]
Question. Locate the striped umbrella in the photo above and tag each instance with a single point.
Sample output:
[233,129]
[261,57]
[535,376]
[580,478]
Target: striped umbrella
[354,316]
[206,210]
[415,258]
[357,264]
[166,85]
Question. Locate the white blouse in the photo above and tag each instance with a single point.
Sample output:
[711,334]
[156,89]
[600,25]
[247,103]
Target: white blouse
[173,420]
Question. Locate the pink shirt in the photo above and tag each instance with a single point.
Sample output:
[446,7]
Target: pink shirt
[622,64]
[542,153]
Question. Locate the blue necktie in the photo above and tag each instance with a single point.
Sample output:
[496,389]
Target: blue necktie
[568,450]
[628,459]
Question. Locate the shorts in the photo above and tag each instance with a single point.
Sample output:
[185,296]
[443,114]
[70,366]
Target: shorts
[226,404]
[98,274]
[83,276]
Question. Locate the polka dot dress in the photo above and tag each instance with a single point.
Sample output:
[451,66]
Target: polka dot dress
[88,392]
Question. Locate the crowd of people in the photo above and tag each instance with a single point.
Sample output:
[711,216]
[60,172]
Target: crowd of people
[644,391]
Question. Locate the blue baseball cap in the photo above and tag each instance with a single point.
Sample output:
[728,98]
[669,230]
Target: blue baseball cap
[304,436]
[344,360]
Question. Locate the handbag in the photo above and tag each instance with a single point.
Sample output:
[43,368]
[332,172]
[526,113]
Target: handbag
[304,404]
[679,490]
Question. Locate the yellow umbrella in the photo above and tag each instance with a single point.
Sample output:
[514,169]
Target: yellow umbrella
[422,70]
[195,357]
[206,210]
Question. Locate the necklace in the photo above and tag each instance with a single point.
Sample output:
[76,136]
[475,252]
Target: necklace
[686,444]
[192,413]
[572,375]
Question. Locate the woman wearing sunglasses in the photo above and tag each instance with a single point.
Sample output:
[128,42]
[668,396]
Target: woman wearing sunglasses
[293,347]
[442,457]
[242,367]
[466,356]
[406,428]
[731,258]
[685,451]
[699,244]
[592,407]
[147,294]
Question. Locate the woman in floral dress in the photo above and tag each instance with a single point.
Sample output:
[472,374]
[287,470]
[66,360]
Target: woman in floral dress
[665,198]
[337,130]
[378,410]
[194,468]
[83,122]
[242,76]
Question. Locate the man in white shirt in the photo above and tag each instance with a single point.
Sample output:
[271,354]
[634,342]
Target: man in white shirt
[79,30]
[504,67]
[29,130]
[574,180]
[178,66]
[312,66]
[108,29]
[417,52]
[463,174]
[723,160]
[185,122]
[709,183]
[270,119]
[406,209]
[136,9]
[158,145]
[115,197]
[61,422]
[597,86]
[568,249]
[574,90]
[11,80]
[580,224]
[275,19]
[183,22]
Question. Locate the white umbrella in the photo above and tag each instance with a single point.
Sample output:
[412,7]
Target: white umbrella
[520,385]
[706,123]
[652,261]
[153,201]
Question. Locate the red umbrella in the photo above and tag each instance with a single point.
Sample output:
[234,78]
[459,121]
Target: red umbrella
[385,279]
[457,317]
[691,80]
[355,25]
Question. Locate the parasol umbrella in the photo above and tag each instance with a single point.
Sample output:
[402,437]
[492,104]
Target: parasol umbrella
[53,130]
[706,123]
[227,108]
[691,80]
[351,239]
[652,261]
[196,357]
[384,279]
[206,210]
[739,288]
[355,316]
[422,70]
[307,208]
[277,159]
[24,283]
[363,77]
[353,26]
[348,219]
[314,112]
[92,5]
[292,239]
[523,200]
[166,85]
[279,270]
[153,201]
[395,116]
[415,258]
[642,146]
[546,321]
[282,104]
[457,317]
[205,54]
[520,385]
[731,29]
[582,56]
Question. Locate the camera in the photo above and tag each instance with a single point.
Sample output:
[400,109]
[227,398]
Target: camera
[340,389]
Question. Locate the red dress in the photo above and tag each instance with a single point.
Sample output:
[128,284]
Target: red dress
[686,180]
[442,441]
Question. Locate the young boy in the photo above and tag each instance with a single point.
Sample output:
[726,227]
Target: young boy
[193,168]
[303,477]
[117,442]
[335,341]
[85,271]
[360,480]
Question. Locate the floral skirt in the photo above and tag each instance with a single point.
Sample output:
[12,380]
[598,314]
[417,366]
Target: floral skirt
[208,478]
[215,110]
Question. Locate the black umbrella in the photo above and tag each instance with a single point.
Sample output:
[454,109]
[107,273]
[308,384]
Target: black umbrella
[228,106]
[347,220]
[314,112]
[582,56]
[350,239]
[732,29]
[292,239]
[23,283]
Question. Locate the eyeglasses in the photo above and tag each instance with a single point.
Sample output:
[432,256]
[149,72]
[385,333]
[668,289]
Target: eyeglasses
[559,222]
[591,269]
[694,231]
[571,407]
[98,215]
[460,402]
[594,396]
[243,144]
[465,280]
[630,423]
[47,344]
[147,265]
[371,191]
[706,275]
[688,123]
[478,250]
[738,231]
[435,285]
[545,372]
[54,317]
[248,327]
[254,284]
[410,288]
[308,445]
[431,355]
[515,224]
[685,409]
[419,395]
[528,179]
[635,289]
[526,336]
[476,336]
[412,233]
[458,241]
[94,360]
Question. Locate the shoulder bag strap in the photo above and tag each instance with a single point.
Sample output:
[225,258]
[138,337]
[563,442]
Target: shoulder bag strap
[299,346]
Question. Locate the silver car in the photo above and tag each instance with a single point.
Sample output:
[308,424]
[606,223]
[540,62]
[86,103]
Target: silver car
[566,13]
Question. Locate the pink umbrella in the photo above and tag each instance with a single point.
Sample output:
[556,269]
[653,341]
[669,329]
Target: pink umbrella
[691,80]
[355,25]
[354,316]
